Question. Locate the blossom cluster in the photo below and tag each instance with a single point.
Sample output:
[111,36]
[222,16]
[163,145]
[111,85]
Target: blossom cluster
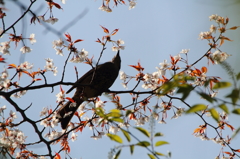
[5,46]
[105,6]
[50,66]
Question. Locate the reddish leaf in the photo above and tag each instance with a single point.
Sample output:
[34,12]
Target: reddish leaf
[98,40]
[57,5]
[230,126]
[234,28]
[204,69]
[70,99]
[2,59]
[137,67]
[37,79]
[226,20]
[68,36]
[89,61]
[12,66]
[76,114]
[238,150]
[61,89]
[57,156]
[114,31]
[105,29]
[78,40]
[229,153]
[115,1]
[222,38]
[49,111]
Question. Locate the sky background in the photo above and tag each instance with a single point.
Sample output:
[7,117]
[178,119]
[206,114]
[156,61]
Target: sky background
[152,31]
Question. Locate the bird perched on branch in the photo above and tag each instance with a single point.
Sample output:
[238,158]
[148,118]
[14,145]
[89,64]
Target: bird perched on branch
[92,84]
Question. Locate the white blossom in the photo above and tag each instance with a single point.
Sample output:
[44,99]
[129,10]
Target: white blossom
[58,43]
[105,8]
[113,129]
[32,39]
[219,57]
[26,66]
[123,76]
[59,51]
[52,20]
[74,137]
[4,47]
[60,97]
[3,108]
[132,4]
[185,51]
[25,49]
[99,104]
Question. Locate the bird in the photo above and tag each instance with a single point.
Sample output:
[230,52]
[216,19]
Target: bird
[92,84]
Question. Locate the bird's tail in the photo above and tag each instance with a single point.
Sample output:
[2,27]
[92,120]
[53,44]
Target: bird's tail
[66,112]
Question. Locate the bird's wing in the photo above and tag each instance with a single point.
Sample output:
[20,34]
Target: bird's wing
[80,80]
[85,76]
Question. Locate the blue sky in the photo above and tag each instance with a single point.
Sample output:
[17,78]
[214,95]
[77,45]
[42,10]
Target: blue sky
[152,31]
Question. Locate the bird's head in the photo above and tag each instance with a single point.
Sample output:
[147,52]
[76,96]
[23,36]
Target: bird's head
[117,60]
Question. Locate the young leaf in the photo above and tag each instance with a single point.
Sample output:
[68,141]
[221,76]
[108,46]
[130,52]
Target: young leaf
[160,143]
[236,111]
[207,97]
[126,134]
[144,131]
[117,154]
[220,85]
[159,154]
[214,114]
[185,90]
[131,148]
[238,76]
[151,156]
[224,108]
[115,138]
[234,96]
[143,144]
[196,108]
[158,134]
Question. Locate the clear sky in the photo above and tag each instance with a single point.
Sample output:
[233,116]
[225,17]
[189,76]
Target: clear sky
[152,31]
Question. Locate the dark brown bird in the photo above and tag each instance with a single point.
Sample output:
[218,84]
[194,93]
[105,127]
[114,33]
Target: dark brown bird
[94,83]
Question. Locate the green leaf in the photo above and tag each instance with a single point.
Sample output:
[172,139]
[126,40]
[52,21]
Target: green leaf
[120,120]
[159,154]
[169,154]
[99,111]
[143,144]
[220,85]
[214,114]
[128,112]
[185,90]
[236,111]
[160,143]
[238,76]
[235,133]
[158,134]
[151,156]
[224,108]
[114,113]
[131,148]
[144,131]
[196,108]
[168,86]
[207,97]
[234,96]
[126,134]
[117,154]
[115,138]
